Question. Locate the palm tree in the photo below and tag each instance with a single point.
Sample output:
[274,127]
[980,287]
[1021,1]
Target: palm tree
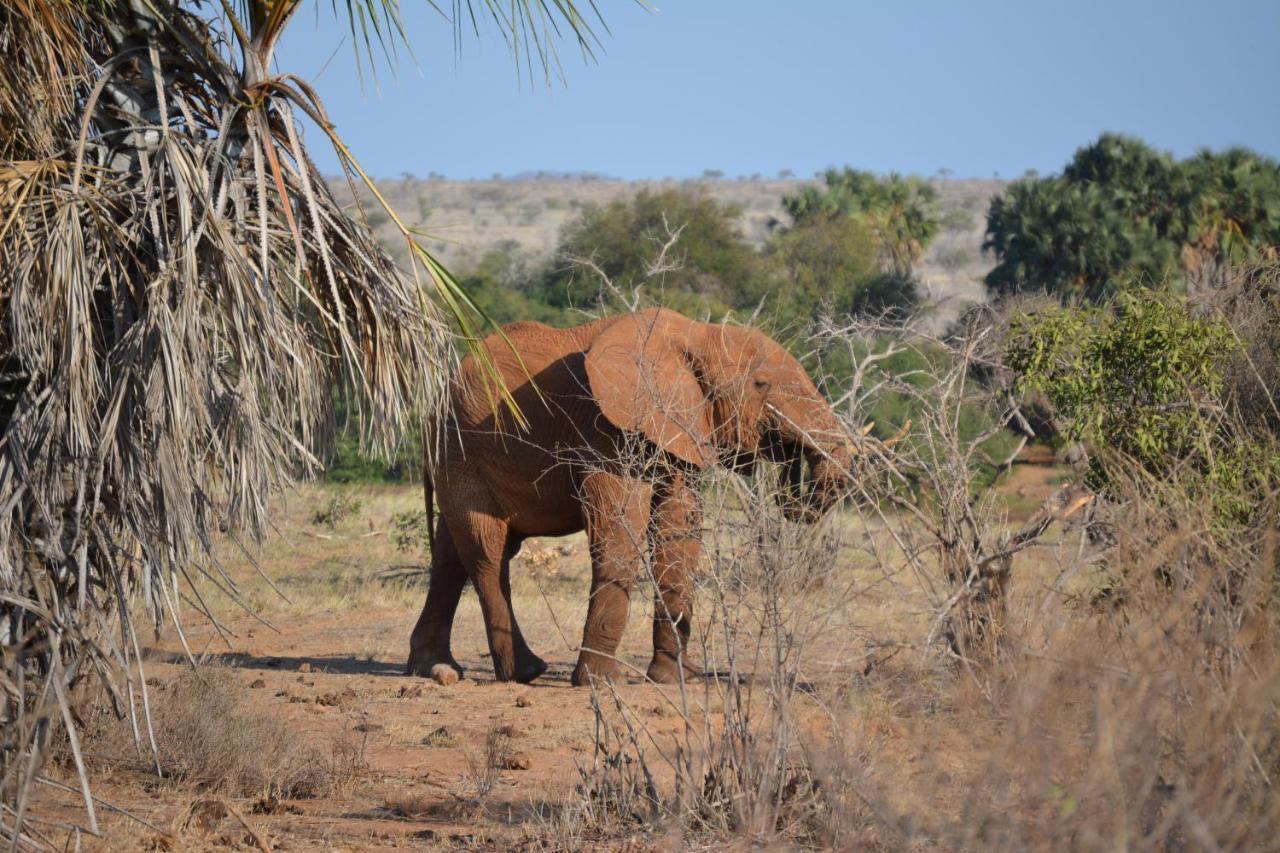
[1232,214]
[180,289]
[901,212]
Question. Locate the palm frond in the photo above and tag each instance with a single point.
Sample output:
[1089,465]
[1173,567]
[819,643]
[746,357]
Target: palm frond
[179,294]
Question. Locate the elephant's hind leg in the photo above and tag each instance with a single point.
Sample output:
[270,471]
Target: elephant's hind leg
[528,666]
[481,540]
[430,653]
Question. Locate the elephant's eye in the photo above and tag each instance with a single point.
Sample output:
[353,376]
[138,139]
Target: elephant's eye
[762,384]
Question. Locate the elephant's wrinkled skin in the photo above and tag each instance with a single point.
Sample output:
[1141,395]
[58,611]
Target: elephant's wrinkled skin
[627,410]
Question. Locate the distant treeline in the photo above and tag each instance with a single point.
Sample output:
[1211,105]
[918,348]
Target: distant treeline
[1121,216]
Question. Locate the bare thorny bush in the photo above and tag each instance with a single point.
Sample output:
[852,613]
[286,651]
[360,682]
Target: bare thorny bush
[1032,710]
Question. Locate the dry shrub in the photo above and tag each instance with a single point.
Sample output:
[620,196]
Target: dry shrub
[207,738]
[485,766]
[1099,672]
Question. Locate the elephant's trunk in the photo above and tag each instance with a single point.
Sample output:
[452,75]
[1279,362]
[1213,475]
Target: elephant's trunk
[830,475]
[807,499]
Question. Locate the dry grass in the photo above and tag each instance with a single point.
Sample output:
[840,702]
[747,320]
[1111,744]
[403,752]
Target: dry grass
[930,672]
[207,739]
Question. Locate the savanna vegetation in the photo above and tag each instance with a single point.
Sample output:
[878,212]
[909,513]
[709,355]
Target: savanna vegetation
[181,295]
[963,657]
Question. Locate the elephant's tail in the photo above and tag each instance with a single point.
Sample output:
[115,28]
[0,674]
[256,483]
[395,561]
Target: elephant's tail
[429,494]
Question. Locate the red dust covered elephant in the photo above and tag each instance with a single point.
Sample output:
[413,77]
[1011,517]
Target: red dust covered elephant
[621,415]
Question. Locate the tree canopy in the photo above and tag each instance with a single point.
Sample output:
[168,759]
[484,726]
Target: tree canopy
[901,212]
[708,268]
[1122,214]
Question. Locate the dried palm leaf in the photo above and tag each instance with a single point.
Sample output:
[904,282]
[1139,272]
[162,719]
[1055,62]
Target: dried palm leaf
[179,294]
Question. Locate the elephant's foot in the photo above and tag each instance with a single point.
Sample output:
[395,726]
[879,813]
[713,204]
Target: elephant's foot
[596,666]
[665,669]
[529,667]
[526,667]
[442,669]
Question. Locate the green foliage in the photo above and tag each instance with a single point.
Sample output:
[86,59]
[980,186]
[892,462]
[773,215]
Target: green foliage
[829,265]
[714,264]
[1136,377]
[337,508]
[1123,215]
[503,284]
[409,532]
[1143,379]
[901,212]
[351,463]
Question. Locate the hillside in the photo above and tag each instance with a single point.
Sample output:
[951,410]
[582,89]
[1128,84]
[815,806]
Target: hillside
[464,219]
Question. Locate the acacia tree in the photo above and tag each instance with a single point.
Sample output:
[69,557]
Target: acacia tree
[709,267]
[179,289]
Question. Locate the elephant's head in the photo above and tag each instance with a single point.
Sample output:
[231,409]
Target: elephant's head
[708,393]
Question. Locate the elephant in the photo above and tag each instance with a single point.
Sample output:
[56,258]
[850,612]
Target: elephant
[617,417]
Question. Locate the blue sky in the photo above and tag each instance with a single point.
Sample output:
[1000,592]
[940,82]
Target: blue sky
[978,87]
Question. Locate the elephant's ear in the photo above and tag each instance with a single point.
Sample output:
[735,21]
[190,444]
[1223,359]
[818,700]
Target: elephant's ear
[642,377]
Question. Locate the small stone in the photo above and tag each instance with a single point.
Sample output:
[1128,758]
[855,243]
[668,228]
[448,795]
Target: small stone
[257,683]
[513,762]
[444,674]
[523,701]
[306,667]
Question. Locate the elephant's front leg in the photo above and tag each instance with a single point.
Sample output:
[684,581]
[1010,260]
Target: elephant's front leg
[616,514]
[675,530]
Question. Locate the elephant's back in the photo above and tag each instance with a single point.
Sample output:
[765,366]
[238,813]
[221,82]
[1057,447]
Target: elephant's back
[528,350]
[523,466]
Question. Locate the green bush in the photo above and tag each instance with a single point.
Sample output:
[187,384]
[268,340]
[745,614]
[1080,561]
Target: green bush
[349,463]
[1143,379]
[901,212]
[713,265]
[828,265]
[506,286]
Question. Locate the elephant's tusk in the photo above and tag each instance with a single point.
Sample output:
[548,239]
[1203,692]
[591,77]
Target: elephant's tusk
[898,436]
